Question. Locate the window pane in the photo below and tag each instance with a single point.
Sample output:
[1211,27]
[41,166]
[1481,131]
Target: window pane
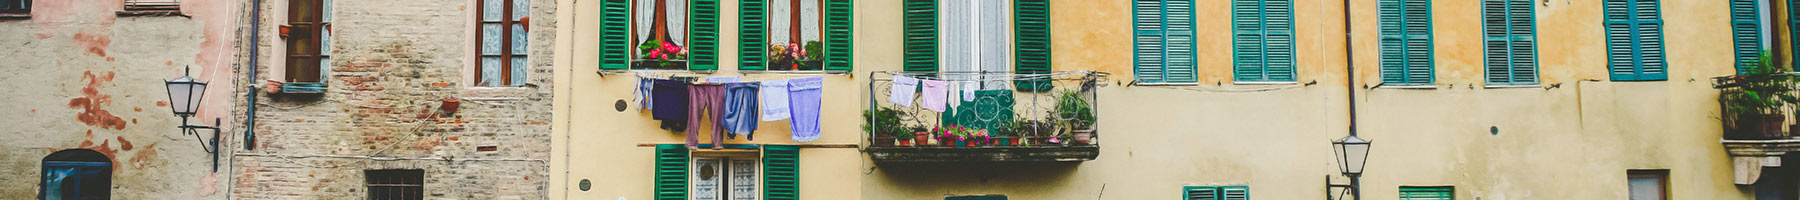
[518,71]
[490,72]
[1646,188]
[490,38]
[521,8]
[326,13]
[325,42]
[492,9]
[993,41]
[518,39]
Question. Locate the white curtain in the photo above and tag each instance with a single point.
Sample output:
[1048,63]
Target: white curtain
[779,20]
[974,37]
[646,17]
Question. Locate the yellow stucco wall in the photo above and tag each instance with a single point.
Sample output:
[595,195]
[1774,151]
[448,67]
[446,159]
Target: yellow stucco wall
[1572,138]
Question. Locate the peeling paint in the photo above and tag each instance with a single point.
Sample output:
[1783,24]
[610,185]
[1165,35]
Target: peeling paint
[124,144]
[143,158]
[91,103]
[93,43]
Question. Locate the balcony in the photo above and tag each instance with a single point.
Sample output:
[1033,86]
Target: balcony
[1758,115]
[987,117]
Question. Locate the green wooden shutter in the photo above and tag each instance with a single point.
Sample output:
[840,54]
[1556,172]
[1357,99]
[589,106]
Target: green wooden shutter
[1031,28]
[1427,193]
[1235,192]
[1634,40]
[839,35]
[753,34]
[671,172]
[615,27]
[1746,34]
[1200,193]
[703,50]
[1511,53]
[1178,36]
[781,172]
[1406,42]
[1147,39]
[1263,40]
[921,37]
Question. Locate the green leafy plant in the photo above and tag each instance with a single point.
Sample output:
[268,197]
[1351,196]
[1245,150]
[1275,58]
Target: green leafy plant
[1073,111]
[886,121]
[1762,91]
[663,52]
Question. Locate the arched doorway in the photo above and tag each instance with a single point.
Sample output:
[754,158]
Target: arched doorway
[76,174]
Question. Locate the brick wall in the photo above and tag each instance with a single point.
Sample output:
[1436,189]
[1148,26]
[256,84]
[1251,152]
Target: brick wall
[393,62]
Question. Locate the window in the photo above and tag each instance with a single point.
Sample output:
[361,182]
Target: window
[980,197]
[682,175]
[972,36]
[19,7]
[1750,23]
[1427,193]
[1263,38]
[1634,40]
[161,5]
[1215,193]
[308,41]
[503,44]
[1648,184]
[395,184]
[794,35]
[659,34]
[1511,35]
[1406,42]
[1163,41]
[76,174]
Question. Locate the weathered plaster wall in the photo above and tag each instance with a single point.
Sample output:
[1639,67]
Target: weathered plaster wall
[83,76]
[392,63]
[1572,138]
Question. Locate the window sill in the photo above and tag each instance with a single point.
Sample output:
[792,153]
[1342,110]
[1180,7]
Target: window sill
[5,16]
[302,89]
[1266,83]
[1165,84]
[1411,87]
[1512,86]
[155,11]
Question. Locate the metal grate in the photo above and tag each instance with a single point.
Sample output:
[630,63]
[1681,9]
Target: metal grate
[153,5]
[404,184]
[998,103]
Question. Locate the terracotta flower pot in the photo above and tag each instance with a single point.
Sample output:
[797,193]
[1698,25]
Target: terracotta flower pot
[882,141]
[1771,125]
[921,137]
[1083,136]
[905,143]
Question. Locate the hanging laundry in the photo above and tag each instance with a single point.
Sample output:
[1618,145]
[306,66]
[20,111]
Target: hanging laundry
[740,110]
[674,95]
[805,95]
[968,90]
[934,94]
[723,79]
[902,91]
[774,100]
[641,95]
[705,101]
[955,95]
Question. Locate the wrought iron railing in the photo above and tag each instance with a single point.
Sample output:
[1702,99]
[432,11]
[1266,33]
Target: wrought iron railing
[1758,106]
[1005,110]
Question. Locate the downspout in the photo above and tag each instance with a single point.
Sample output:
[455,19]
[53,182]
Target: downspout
[1350,67]
[255,37]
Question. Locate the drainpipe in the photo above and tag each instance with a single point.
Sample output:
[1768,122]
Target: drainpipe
[255,37]
[1350,78]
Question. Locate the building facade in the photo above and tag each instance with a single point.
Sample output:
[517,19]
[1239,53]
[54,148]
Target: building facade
[1528,99]
[409,100]
[90,116]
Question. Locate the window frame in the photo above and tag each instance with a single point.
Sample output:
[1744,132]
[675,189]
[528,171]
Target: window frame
[975,38]
[1447,192]
[769,32]
[411,183]
[1161,34]
[19,12]
[1406,44]
[1508,41]
[725,161]
[1633,22]
[506,45]
[315,32]
[1218,192]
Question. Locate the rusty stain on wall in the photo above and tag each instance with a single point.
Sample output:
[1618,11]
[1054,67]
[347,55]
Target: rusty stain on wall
[93,43]
[91,102]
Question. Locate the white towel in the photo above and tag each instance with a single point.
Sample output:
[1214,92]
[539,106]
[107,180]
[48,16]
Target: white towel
[902,91]
[934,95]
[774,94]
[723,79]
[968,90]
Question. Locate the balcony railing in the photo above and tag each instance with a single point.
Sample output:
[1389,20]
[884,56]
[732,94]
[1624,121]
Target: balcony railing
[1005,117]
[1758,107]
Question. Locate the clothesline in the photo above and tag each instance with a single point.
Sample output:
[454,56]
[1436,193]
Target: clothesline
[981,75]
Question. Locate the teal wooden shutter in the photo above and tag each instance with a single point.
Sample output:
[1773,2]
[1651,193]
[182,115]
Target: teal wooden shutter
[1164,41]
[1031,28]
[781,177]
[671,172]
[921,37]
[1263,40]
[1147,39]
[1427,193]
[703,50]
[615,27]
[839,37]
[1235,192]
[1511,52]
[1746,34]
[1634,40]
[753,34]
[1406,48]
[1200,193]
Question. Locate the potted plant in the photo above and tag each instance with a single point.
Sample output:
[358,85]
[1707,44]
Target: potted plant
[1754,107]
[1005,134]
[659,54]
[920,137]
[884,125]
[1076,116]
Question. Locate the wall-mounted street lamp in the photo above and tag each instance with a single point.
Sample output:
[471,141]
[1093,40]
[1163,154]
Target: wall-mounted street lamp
[1352,154]
[184,99]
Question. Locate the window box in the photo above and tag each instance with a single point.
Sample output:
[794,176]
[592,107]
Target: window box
[660,64]
[1013,154]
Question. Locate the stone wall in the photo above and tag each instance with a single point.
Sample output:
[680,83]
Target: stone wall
[393,63]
